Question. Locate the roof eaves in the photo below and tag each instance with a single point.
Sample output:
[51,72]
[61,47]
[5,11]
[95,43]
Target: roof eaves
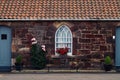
[118,19]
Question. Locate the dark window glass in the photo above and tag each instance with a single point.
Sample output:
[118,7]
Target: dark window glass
[3,36]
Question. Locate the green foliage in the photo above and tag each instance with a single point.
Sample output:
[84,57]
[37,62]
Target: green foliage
[108,60]
[38,57]
[19,59]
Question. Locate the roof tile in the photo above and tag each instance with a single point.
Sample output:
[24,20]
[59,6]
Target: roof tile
[60,9]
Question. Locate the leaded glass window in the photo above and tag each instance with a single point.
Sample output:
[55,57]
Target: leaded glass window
[63,38]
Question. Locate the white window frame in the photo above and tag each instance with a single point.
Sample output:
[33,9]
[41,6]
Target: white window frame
[64,39]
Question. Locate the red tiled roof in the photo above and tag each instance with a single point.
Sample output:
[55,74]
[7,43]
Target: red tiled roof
[59,9]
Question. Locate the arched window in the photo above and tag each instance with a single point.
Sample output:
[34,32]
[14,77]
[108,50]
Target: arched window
[63,38]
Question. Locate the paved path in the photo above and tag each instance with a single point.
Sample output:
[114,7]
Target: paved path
[60,76]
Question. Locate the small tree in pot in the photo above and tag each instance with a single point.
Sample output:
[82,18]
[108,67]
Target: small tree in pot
[19,63]
[107,63]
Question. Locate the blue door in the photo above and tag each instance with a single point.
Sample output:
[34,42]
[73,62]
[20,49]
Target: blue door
[5,49]
[117,48]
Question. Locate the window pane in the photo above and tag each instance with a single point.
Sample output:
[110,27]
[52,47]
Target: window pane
[3,36]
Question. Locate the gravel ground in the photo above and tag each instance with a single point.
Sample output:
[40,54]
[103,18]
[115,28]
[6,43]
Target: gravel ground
[60,76]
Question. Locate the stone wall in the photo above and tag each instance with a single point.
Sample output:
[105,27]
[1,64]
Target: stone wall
[93,39]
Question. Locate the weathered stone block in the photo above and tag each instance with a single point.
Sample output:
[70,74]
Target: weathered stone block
[85,51]
[98,36]
[109,40]
[84,40]
[103,48]
[90,36]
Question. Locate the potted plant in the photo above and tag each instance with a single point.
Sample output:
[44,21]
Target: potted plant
[107,63]
[19,63]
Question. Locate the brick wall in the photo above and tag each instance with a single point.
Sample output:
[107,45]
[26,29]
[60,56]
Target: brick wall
[93,39]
